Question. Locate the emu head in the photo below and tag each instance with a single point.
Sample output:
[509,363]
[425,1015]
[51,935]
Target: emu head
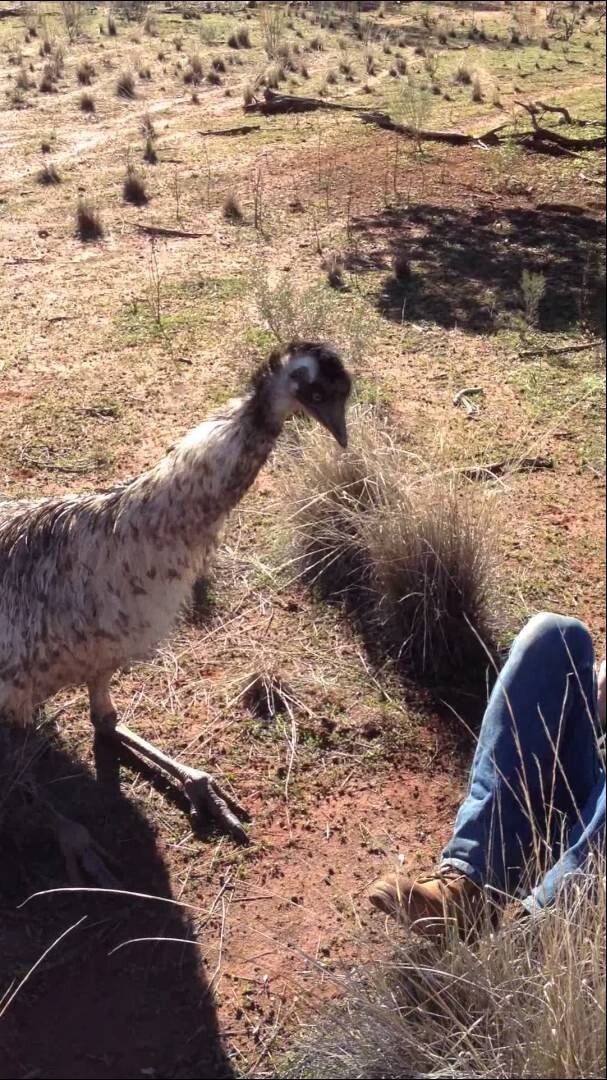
[319,385]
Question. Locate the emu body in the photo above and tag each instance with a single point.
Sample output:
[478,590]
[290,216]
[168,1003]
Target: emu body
[90,584]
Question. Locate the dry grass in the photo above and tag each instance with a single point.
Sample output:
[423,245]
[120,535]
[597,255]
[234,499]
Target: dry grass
[408,551]
[526,1002]
[87,103]
[232,210]
[89,226]
[134,190]
[477,89]
[125,86]
[49,174]
[240,38]
[85,73]
[195,71]
[150,153]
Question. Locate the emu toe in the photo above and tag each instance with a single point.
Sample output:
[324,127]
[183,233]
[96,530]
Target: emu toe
[84,858]
[208,800]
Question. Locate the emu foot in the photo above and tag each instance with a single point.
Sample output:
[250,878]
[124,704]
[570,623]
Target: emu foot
[208,800]
[84,857]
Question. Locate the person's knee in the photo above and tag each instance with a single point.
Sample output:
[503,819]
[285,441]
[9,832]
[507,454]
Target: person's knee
[556,635]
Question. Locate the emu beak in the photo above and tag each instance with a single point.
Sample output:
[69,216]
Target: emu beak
[332,416]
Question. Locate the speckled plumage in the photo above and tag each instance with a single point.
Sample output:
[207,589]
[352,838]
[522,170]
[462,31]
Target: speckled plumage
[91,583]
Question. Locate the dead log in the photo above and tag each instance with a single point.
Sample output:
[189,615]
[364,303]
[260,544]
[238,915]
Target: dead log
[560,349]
[451,138]
[274,103]
[244,129]
[542,106]
[161,230]
[9,13]
[548,135]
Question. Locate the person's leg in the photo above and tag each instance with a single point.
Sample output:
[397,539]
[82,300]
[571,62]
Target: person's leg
[536,760]
[586,838]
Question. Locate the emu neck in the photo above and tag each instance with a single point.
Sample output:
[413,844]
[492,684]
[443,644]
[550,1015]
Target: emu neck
[186,497]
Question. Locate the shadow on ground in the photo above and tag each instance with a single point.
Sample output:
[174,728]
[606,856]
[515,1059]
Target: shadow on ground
[462,267]
[145,1011]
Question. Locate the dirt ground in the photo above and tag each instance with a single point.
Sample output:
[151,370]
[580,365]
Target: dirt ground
[111,350]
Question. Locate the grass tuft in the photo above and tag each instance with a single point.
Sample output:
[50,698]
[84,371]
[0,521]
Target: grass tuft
[125,87]
[133,189]
[89,226]
[528,1002]
[232,210]
[85,73]
[49,174]
[411,556]
[87,103]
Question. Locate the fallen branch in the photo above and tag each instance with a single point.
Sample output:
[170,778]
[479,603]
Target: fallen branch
[161,230]
[274,103]
[558,350]
[543,134]
[561,208]
[502,468]
[244,129]
[463,398]
[598,180]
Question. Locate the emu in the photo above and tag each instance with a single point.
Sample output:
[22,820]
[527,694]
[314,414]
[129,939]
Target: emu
[92,583]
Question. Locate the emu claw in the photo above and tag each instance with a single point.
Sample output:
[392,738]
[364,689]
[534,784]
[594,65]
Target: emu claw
[84,858]
[208,799]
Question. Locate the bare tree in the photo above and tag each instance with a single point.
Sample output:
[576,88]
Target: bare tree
[74,15]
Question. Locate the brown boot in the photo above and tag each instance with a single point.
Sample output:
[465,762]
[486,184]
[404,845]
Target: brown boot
[434,906]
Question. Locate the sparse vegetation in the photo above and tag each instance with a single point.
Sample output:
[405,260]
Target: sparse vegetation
[477,89]
[89,226]
[528,1002]
[85,73]
[133,10]
[134,189]
[464,75]
[49,174]
[272,22]
[240,38]
[416,106]
[87,103]
[125,87]
[412,555]
[74,15]
[533,287]
[232,210]
[195,71]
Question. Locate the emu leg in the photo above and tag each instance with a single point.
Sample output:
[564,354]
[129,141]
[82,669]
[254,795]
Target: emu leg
[205,796]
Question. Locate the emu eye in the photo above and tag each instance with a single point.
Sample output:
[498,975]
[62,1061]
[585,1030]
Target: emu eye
[317,398]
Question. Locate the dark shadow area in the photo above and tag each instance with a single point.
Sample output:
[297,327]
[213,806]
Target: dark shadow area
[463,267]
[146,1010]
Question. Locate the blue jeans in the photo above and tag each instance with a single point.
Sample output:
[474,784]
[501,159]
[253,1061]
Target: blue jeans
[535,808]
